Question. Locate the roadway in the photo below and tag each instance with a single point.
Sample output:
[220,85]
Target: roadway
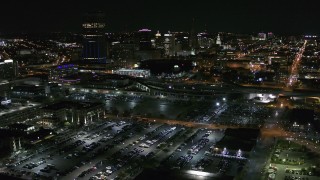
[293,78]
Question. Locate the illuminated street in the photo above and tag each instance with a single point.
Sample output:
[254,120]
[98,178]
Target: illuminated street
[159,90]
[293,77]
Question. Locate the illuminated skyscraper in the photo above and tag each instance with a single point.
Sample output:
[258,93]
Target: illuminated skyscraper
[169,44]
[94,44]
[262,36]
[144,37]
[218,41]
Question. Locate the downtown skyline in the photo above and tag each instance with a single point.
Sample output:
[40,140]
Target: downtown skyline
[133,90]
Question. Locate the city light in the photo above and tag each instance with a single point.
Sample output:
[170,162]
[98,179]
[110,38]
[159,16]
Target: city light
[224,152]
[199,173]
[239,153]
[100,95]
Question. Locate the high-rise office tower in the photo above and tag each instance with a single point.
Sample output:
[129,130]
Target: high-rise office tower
[94,44]
[262,36]
[144,37]
[169,44]
[218,41]
[204,40]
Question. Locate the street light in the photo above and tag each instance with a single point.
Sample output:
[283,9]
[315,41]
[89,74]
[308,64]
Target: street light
[224,152]
[239,153]
[218,104]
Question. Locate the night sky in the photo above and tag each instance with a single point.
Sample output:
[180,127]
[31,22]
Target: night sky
[286,16]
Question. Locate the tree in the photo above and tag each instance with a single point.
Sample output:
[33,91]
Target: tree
[126,113]
[115,111]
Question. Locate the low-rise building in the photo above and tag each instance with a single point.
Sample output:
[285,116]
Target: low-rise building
[144,73]
[81,113]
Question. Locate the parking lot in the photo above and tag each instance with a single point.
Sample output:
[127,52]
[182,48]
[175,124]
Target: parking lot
[197,153]
[70,153]
[291,161]
[105,148]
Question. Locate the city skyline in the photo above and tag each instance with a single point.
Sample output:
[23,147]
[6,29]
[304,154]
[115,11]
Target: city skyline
[245,16]
[132,90]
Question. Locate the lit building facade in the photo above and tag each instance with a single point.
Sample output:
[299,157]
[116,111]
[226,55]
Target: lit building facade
[169,44]
[134,72]
[205,41]
[262,36]
[218,41]
[94,43]
[8,69]
[144,37]
[81,113]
